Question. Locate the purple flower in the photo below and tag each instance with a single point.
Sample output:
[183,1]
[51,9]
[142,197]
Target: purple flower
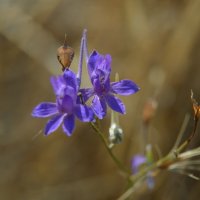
[66,108]
[103,91]
[137,161]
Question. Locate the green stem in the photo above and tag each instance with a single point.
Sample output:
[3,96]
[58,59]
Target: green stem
[115,159]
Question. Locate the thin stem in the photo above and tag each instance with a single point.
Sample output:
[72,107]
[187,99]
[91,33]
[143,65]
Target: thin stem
[114,118]
[181,132]
[130,190]
[187,142]
[115,159]
[137,179]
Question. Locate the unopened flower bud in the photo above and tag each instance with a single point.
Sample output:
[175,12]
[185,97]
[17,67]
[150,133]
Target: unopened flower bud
[115,134]
[65,55]
[196,106]
[149,110]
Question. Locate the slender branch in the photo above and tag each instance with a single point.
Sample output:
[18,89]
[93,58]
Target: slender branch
[187,142]
[115,159]
[181,132]
[162,163]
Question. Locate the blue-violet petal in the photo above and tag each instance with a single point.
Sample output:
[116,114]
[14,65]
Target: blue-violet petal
[99,107]
[137,160]
[84,113]
[124,87]
[70,79]
[57,84]
[53,124]
[86,93]
[69,124]
[45,109]
[115,104]
[93,62]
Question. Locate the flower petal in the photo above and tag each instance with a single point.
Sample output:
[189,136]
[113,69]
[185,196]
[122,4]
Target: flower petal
[92,61]
[84,113]
[150,181]
[137,160]
[65,104]
[99,107]
[107,84]
[101,68]
[69,124]
[70,79]
[104,64]
[115,104]
[97,86]
[45,109]
[124,87]
[57,84]
[86,93]
[70,92]
[53,124]
[101,80]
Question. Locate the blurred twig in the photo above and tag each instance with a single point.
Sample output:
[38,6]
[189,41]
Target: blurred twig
[21,29]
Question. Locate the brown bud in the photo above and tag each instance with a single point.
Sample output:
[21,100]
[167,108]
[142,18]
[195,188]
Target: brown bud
[196,106]
[65,55]
[149,110]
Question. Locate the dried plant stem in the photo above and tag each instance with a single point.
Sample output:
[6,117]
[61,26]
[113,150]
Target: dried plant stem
[115,159]
[181,132]
[162,163]
[187,142]
[137,179]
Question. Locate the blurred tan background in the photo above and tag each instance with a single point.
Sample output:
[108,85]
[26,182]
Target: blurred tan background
[155,43]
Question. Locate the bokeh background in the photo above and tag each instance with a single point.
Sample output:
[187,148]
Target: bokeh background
[155,43]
